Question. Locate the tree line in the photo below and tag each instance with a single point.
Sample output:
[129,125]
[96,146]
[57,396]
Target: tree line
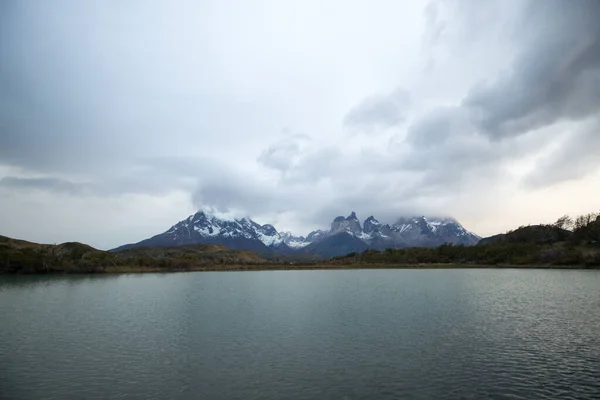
[568,241]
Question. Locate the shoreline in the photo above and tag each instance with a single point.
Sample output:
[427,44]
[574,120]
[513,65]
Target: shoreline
[305,267]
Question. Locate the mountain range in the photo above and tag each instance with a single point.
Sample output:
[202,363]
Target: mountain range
[346,235]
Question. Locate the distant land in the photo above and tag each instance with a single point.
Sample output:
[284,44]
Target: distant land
[568,243]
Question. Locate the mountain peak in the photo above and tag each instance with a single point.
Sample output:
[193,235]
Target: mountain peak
[370,225]
[349,224]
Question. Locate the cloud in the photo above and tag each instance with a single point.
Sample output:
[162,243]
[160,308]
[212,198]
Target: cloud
[438,125]
[380,111]
[284,154]
[555,76]
[575,157]
[50,184]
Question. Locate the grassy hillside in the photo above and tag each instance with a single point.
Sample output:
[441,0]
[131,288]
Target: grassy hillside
[533,234]
[19,256]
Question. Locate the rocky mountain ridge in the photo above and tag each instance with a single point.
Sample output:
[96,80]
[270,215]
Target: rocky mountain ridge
[346,234]
[406,232]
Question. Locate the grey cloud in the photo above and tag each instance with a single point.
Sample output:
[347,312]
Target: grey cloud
[227,196]
[438,125]
[50,184]
[75,96]
[320,183]
[154,175]
[555,76]
[447,152]
[319,164]
[300,160]
[379,111]
[283,154]
[575,158]
[434,25]
[244,194]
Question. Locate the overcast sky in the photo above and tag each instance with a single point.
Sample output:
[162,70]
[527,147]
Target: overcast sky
[119,119]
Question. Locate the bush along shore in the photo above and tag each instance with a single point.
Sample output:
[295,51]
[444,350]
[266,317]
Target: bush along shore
[568,243]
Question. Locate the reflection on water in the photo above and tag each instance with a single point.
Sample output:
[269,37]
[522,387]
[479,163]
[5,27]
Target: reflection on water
[12,282]
[302,334]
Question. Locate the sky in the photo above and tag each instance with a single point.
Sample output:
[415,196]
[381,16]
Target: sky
[119,119]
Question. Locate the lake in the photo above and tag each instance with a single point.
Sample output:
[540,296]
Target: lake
[335,334]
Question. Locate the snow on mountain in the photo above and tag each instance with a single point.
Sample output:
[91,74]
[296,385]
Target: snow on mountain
[210,226]
[316,235]
[294,242]
[405,232]
[206,227]
[371,224]
[345,233]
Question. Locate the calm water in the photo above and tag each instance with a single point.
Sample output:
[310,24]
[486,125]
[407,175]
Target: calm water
[422,334]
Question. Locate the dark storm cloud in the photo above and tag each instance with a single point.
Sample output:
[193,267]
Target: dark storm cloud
[577,156]
[379,111]
[447,154]
[555,76]
[435,127]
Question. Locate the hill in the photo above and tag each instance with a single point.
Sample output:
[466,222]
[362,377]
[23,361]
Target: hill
[19,256]
[533,234]
[335,245]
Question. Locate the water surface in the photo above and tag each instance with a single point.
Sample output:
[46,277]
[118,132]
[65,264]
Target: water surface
[345,334]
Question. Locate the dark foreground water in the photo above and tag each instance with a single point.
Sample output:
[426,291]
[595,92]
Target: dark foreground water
[419,334]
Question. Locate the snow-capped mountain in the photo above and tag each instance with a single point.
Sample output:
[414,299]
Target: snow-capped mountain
[293,242]
[204,227]
[346,234]
[406,232]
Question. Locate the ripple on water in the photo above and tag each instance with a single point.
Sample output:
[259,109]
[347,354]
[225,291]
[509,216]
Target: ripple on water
[443,334]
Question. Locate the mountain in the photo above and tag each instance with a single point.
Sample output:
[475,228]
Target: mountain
[338,244]
[406,232]
[345,235]
[206,228]
[350,224]
[294,242]
[426,232]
